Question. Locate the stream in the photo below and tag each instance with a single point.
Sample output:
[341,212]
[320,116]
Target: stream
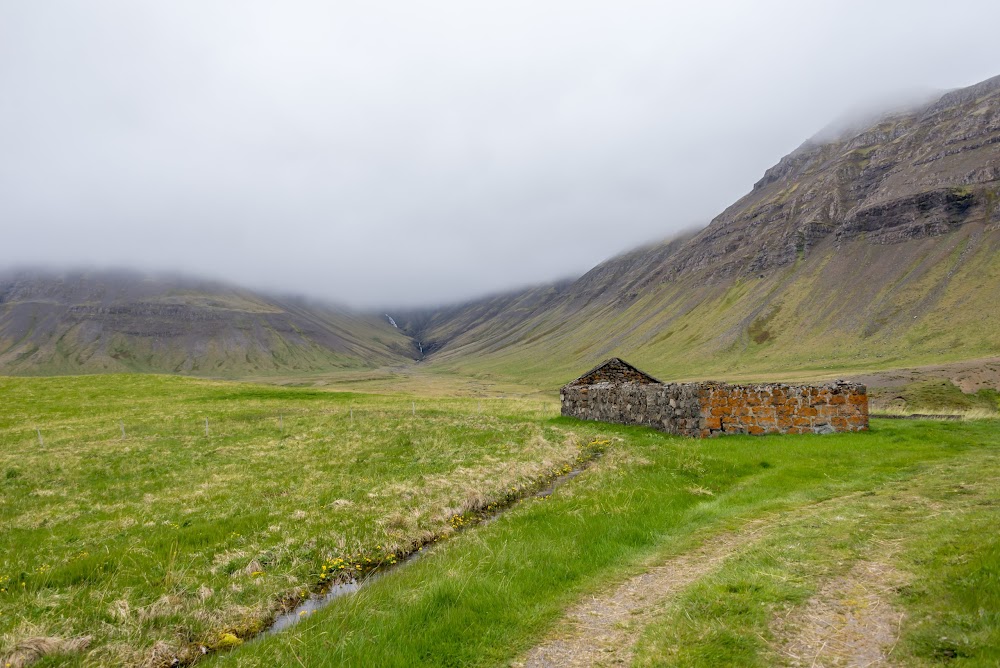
[320,600]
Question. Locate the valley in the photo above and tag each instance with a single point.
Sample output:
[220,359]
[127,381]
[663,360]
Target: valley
[874,250]
[184,461]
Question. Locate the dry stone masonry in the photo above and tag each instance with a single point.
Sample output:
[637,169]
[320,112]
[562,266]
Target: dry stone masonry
[617,392]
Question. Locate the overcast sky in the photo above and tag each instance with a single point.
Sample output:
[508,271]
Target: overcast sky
[419,152]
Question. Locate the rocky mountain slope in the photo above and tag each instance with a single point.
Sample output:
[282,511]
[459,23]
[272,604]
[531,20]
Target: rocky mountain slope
[103,321]
[877,247]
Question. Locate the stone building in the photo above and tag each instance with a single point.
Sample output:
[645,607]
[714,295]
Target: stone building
[616,391]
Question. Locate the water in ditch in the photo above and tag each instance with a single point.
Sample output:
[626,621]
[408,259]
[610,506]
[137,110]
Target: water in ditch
[319,601]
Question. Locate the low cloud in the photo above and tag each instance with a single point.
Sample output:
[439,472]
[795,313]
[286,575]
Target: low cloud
[414,153]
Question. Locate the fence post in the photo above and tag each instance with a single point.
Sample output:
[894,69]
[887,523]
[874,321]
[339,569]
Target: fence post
[121,423]
[41,441]
[206,426]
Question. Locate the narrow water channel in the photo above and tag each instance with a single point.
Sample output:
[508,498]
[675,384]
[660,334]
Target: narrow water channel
[320,600]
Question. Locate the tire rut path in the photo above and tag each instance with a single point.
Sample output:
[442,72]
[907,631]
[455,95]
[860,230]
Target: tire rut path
[602,630]
[849,622]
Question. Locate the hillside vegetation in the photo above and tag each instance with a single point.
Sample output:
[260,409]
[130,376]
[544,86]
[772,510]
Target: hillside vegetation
[107,322]
[877,249]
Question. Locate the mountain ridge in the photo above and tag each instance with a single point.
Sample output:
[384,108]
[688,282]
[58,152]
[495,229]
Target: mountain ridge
[908,206]
[106,321]
[880,245]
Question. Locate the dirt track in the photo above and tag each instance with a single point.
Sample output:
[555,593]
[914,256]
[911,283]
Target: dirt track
[969,375]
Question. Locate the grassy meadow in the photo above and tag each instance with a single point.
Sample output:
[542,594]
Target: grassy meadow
[822,505]
[171,537]
[143,548]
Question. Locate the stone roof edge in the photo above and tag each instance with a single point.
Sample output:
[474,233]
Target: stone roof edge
[609,361]
[722,384]
[827,383]
[719,383]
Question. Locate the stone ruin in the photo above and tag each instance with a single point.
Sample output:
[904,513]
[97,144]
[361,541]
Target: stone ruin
[616,391]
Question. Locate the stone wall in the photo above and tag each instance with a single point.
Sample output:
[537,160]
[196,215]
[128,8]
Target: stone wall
[709,409]
[783,409]
[674,407]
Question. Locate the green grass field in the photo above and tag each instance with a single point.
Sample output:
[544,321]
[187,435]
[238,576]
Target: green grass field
[170,539]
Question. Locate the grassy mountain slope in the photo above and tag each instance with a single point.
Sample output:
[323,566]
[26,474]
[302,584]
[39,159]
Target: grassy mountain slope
[876,249]
[112,322]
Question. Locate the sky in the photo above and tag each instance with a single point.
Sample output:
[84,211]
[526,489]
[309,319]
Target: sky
[415,153]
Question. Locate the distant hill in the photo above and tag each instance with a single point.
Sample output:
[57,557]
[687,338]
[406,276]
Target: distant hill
[875,247]
[87,322]
[871,246]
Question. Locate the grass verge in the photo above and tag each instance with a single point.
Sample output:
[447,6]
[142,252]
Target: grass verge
[936,563]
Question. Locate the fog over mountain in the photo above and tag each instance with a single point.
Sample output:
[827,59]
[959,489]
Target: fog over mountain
[414,153]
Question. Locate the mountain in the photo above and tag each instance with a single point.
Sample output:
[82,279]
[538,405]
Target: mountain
[87,322]
[869,246]
[872,247]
